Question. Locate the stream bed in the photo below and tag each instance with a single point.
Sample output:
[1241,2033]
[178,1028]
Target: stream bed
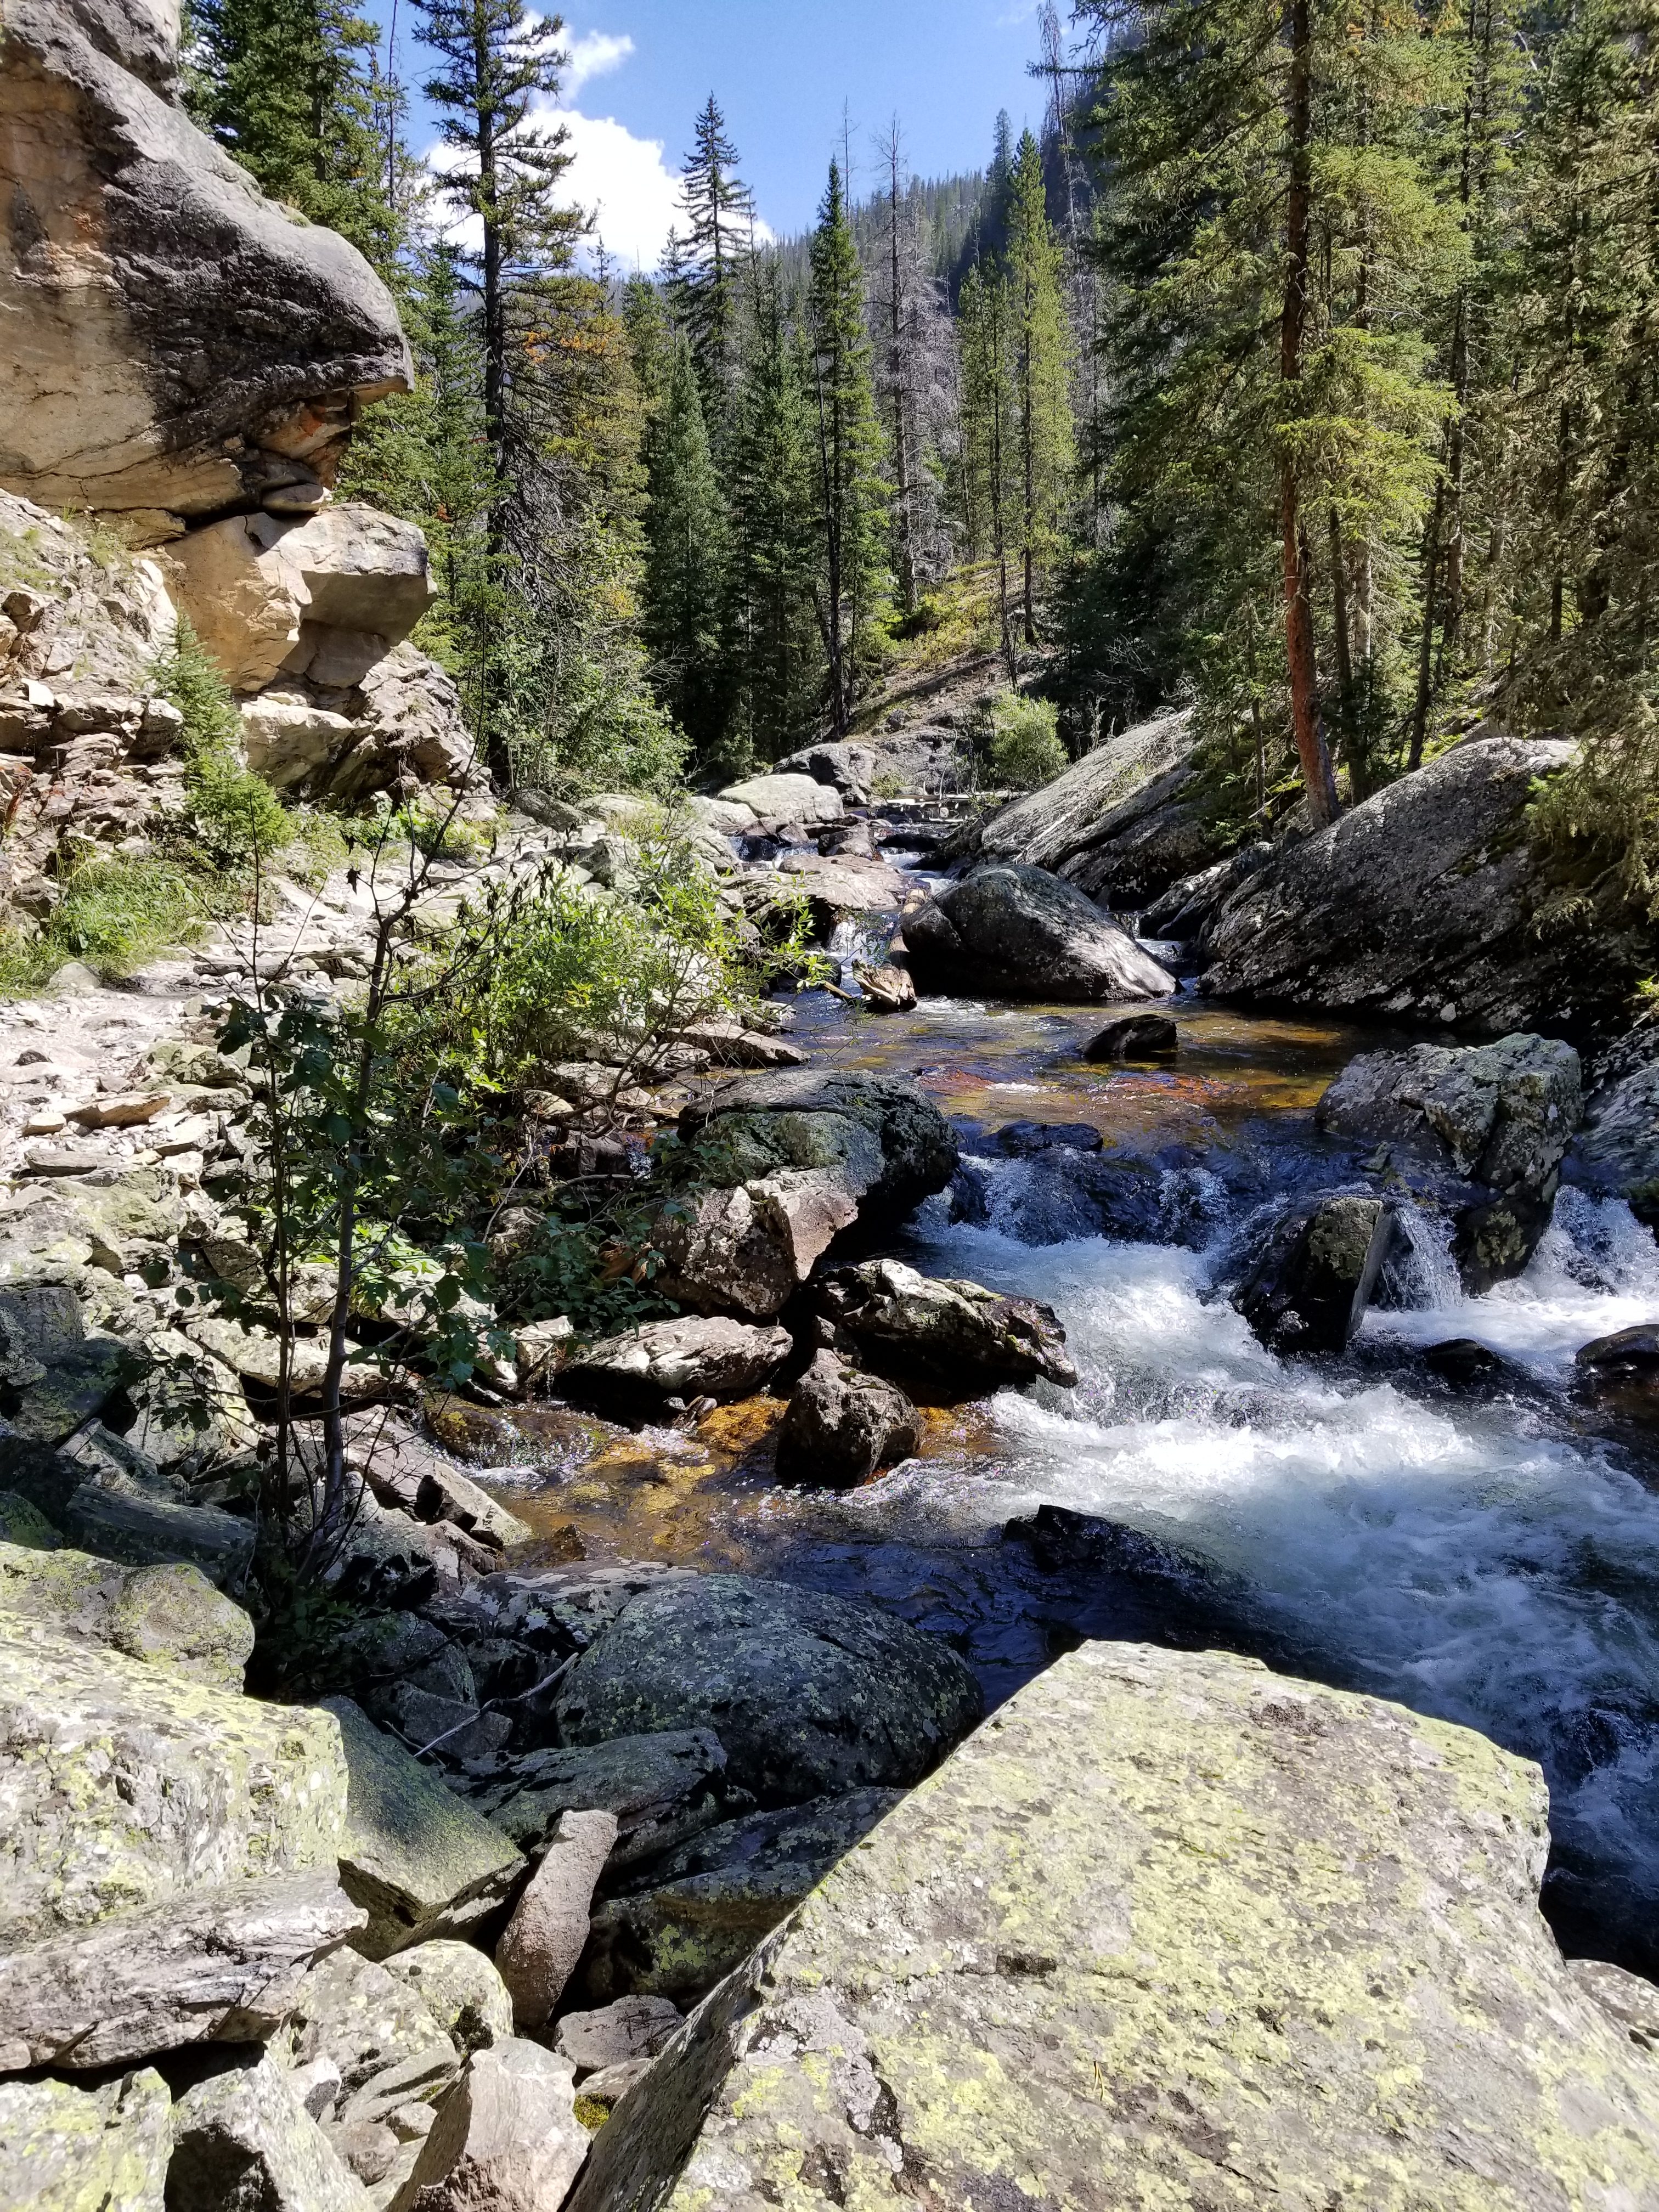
[1488,1553]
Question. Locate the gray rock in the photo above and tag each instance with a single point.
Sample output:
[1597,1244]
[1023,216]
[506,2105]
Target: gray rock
[630,1376]
[603,2092]
[1618,1150]
[1019,932]
[101,2149]
[714,1901]
[460,1988]
[1310,1282]
[811,1695]
[850,769]
[418,1860]
[1421,903]
[799,798]
[662,1789]
[957,1337]
[403,1470]
[225,326]
[842,1425]
[171,1616]
[1214,1876]
[779,1166]
[1137,1036]
[1620,1373]
[1629,2000]
[362,2021]
[243,2142]
[150,1531]
[39,1324]
[541,1943]
[618,2034]
[507,2139]
[206,1967]
[25,1525]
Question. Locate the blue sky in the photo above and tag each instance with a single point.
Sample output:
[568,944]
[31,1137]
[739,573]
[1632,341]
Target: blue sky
[783,75]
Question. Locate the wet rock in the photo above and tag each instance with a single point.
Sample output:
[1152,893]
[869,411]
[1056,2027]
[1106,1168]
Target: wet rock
[631,1377]
[787,799]
[1618,1150]
[842,1425]
[710,1902]
[539,1948]
[779,1166]
[1020,932]
[1310,1282]
[1466,1365]
[1137,1036]
[662,1787]
[816,2071]
[957,1337]
[887,990]
[1422,903]
[71,2150]
[618,2034]
[507,2139]
[460,1988]
[1498,1116]
[418,1860]
[204,1966]
[1620,1373]
[1023,1140]
[242,2141]
[403,1470]
[809,1694]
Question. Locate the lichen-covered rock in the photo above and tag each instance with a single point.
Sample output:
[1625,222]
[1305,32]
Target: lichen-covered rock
[1308,1285]
[779,1166]
[418,1860]
[151,1531]
[460,1988]
[1020,932]
[171,1616]
[123,1784]
[842,1425]
[957,1337]
[632,1376]
[812,1695]
[242,2140]
[1423,904]
[617,2033]
[69,2149]
[1170,1930]
[662,1787]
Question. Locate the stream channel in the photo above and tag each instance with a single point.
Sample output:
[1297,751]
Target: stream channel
[1487,1554]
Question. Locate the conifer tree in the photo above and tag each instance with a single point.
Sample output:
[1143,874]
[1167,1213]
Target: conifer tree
[1048,444]
[720,220]
[685,569]
[991,480]
[851,496]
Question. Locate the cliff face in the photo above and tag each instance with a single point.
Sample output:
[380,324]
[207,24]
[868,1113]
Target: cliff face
[177,346]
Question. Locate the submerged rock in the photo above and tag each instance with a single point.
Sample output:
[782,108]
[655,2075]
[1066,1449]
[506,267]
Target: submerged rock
[1137,1036]
[1020,932]
[1308,1285]
[1167,1916]
[809,1694]
[632,1377]
[957,1337]
[842,1425]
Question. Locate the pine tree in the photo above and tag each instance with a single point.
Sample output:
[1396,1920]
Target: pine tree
[291,87]
[685,592]
[851,496]
[1047,443]
[720,220]
[991,481]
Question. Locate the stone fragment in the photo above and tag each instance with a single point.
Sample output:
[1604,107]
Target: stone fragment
[842,1425]
[662,1787]
[243,2142]
[403,1470]
[461,1990]
[1020,932]
[1143,1851]
[64,2148]
[126,1110]
[957,1337]
[418,1860]
[1309,1285]
[811,1695]
[631,1376]
[206,1966]
[506,2138]
[542,1943]
[617,2033]
[1137,1036]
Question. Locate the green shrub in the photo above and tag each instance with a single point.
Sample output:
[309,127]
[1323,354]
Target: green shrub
[1024,751]
[114,916]
[237,815]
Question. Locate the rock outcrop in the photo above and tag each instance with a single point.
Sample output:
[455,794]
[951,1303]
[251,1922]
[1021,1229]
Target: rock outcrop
[1618,1150]
[1426,904]
[1170,1929]
[1021,933]
[180,345]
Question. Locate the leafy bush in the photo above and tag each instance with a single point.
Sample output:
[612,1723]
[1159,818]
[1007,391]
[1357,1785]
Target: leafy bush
[1024,751]
[236,813]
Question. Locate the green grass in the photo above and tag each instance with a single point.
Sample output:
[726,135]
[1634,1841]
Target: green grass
[114,915]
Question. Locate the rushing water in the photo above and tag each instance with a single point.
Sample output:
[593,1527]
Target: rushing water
[1485,1556]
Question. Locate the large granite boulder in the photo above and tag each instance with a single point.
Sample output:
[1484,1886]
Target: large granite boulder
[1020,932]
[789,799]
[811,1695]
[1172,1930]
[1424,903]
[101,2149]
[180,345]
[777,1166]
[1617,1150]
[850,767]
[958,1338]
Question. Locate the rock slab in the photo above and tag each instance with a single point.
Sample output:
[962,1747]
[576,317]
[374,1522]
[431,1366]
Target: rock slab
[1169,1929]
[1020,932]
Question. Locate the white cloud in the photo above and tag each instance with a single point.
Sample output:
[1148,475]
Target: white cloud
[625,182]
[596,53]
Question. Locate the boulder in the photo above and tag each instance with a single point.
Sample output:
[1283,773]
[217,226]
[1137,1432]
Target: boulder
[243,2142]
[361,2019]
[403,1470]
[460,1988]
[1137,1036]
[171,1616]
[1618,1149]
[152,1531]
[842,1425]
[713,1901]
[1620,1373]
[778,1166]
[185,1788]
[182,343]
[507,2139]
[1498,1117]
[662,1789]
[541,1943]
[1310,1280]
[957,1337]
[851,769]
[887,990]
[839,889]
[632,1377]
[811,1695]
[786,799]
[98,2149]
[1019,932]
[418,1860]
[204,1966]
[617,2033]
[1028,1141]
[1171,1929]
[1423,904]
